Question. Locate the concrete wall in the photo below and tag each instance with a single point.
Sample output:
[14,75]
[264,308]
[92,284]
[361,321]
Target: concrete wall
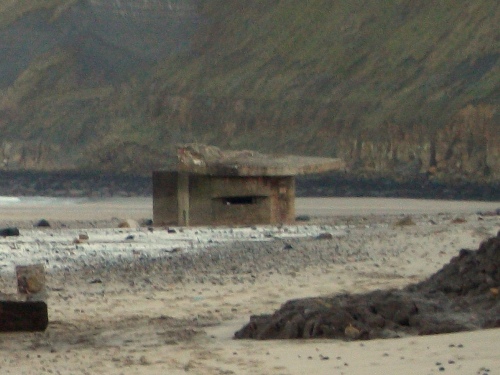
[283,200]
[165,203]
[179,199]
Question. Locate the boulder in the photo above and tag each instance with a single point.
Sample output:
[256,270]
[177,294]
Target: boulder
[11,231]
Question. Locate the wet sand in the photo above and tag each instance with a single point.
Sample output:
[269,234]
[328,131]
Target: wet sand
[137,208]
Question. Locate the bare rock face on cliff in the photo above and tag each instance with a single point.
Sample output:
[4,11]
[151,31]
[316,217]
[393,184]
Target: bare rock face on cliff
[462,296]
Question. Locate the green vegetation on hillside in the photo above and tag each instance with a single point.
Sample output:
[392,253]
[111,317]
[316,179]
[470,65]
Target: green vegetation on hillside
[12,10]
[297,76]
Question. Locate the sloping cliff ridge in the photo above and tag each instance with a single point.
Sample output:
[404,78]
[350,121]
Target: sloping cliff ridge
[399,88]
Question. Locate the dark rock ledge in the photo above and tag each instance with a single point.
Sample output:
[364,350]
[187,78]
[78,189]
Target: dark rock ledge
[462,296]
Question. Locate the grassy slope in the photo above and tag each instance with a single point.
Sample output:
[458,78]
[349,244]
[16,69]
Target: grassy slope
[386,54]
[318,65]
[12,10]
[326,65]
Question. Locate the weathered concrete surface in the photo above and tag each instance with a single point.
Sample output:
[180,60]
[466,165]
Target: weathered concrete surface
[203,159]
[215,187]
[195,199]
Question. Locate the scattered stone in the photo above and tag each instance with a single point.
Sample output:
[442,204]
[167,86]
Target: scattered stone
[7,232]
[458,220]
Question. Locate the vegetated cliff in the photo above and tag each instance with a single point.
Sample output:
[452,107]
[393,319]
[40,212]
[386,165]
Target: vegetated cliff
[398,87]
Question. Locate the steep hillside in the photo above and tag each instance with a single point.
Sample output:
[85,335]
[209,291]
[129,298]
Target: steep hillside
[398,87]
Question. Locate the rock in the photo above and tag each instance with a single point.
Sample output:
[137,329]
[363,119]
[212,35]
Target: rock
[128,223]
[82,238]
[351,332]
[147,222]
[303,218]
[30,279]
[324,236]
[42,224]
[461,296]
[11,231]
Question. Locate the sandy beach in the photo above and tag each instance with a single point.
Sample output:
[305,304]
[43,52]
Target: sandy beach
[142,300]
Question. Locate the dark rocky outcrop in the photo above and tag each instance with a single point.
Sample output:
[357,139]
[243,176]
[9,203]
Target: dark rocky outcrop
[463,295]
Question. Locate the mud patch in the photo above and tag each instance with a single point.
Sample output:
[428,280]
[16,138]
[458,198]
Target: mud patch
[462,296]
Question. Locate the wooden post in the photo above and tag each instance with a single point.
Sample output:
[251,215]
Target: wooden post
[26,311]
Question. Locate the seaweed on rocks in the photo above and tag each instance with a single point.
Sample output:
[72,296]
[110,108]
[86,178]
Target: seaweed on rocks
[462,296]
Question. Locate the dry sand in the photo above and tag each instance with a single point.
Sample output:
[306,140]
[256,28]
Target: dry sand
[176,314]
